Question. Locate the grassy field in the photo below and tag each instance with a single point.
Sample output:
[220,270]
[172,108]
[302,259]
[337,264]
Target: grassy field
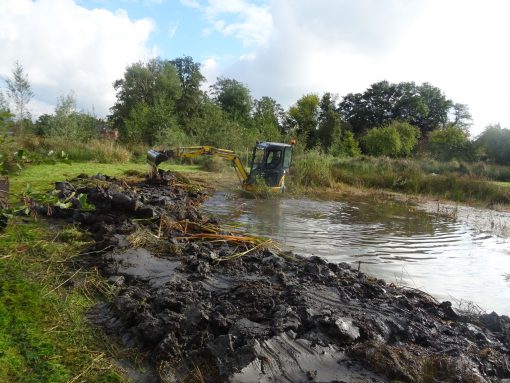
[44,296]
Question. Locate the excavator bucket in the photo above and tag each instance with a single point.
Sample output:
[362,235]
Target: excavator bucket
[154,158]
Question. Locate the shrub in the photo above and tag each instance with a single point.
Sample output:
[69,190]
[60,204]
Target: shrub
[384,141]
[494,143]
[408,135]
[450,143]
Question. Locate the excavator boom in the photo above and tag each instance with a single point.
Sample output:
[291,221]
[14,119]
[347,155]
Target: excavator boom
[154,158]
[270,162]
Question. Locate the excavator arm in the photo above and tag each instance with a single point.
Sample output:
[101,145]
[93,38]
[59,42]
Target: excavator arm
[154,158]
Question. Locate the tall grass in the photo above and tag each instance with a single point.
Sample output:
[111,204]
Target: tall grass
[101,151]
[311,168]
[454,181]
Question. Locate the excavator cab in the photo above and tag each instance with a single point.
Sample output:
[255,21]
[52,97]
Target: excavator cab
[270,161]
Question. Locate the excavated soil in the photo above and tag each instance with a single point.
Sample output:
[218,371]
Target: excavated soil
[199,314]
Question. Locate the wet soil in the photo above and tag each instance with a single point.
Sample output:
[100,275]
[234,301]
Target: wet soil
[201,311]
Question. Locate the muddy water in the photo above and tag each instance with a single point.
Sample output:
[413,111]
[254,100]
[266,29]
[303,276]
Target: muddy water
[456,254]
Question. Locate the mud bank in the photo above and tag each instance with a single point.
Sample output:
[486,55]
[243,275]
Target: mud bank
[202,308]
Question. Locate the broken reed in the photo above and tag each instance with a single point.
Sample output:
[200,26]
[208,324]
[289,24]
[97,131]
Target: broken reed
[194,231]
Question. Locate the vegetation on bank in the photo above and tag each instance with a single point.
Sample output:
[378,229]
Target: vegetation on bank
[44,334]
[456,181]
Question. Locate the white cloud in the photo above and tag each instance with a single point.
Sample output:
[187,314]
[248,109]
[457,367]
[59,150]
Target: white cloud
[252,24]
[344,46]
[64,47]
[172,29]
[210,70]
[190,3]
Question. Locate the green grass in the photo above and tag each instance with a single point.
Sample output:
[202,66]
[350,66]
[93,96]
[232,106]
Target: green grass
[41,177]
[43,333]
[44,336]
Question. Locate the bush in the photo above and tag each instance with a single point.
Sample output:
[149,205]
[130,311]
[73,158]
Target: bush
[397,139]
[384,141]
[494,144]
[408,135]
[450,143]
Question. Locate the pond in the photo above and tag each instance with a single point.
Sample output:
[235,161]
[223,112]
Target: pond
[459,254]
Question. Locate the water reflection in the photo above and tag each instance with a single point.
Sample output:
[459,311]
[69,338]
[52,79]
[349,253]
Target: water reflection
[444,256]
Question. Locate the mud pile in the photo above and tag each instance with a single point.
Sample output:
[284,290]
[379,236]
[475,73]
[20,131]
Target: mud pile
[202,311]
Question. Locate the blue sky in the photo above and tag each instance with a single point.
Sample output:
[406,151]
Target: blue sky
[278,48]
[179,29]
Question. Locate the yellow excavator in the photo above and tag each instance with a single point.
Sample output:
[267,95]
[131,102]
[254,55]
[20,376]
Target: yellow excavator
[270,161]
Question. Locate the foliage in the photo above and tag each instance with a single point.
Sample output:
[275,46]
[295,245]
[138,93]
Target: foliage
[329,124]
[154,124]
[450,143]
[188,105]
[347,146]
[423,106]
[67,122]
[4,105]
[408,135]
[20,92]
[146,99]
[304,119]
[233,97]
[397,139]
[266,118]
[494,144]
[384,141]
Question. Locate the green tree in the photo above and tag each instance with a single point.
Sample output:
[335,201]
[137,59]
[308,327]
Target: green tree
[266,118]
[461,116]
[408,135]
[424,106]
[192,97]
[494,144]
[147,89]
[329,128]
[234,98]
[450,143]
[304,119]
[347,146]
[67,121]
[383,141]
[20,92]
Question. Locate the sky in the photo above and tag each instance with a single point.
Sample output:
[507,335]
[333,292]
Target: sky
[278,48]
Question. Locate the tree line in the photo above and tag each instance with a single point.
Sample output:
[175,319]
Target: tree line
[163,102]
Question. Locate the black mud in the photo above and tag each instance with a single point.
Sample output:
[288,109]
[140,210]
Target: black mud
[264,317]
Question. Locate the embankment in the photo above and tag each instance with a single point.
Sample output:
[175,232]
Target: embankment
[208,305]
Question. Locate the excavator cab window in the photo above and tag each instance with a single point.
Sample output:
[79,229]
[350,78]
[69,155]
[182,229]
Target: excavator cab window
[287,158]
[258,159]
[273,159]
